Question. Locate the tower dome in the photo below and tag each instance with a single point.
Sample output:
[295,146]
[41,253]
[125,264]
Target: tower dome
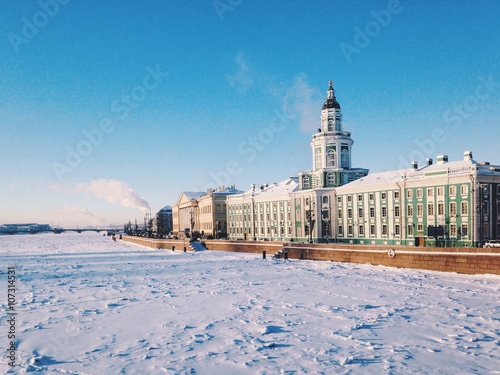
[331,101]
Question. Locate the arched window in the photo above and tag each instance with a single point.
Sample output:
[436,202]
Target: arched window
[330,125]
[317,161]
[330,158]
[330,179]
[345,159]
[305,182]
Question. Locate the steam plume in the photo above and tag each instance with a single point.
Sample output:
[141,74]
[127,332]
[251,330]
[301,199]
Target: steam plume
[114,192]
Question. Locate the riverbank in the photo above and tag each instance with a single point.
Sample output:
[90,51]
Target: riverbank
[465,260]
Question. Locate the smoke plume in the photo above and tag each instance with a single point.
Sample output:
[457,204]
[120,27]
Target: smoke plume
[114,192]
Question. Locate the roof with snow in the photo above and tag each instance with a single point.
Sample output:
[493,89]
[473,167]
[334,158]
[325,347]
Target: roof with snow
[275,189]
[466,166]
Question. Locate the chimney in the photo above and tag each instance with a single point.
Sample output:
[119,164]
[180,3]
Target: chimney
[441,159]
[468,155]
[428,161]
[414,165]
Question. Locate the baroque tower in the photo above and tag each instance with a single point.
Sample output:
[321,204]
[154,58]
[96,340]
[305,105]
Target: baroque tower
[331,150]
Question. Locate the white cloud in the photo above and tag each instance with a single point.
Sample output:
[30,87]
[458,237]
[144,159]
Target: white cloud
[243,78]
[302,102]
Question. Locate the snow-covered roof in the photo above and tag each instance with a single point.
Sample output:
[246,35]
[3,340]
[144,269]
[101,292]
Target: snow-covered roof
[192,195]
[458,167]
[268,190]
[228,191]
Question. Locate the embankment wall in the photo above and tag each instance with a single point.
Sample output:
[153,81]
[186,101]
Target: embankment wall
[460,260]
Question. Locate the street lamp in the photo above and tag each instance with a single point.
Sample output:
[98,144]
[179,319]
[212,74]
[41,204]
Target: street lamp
[310,217]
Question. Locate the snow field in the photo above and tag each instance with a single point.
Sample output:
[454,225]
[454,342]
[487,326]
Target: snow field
[88,305]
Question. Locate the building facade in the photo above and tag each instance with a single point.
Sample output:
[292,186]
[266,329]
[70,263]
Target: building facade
[162,222]
[331,150]
[202,212]
[185,213]
[213,211]
[262,213]
[443,204]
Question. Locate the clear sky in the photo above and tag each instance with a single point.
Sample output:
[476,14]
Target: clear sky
[110,107]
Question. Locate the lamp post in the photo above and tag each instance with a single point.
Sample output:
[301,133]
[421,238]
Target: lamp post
[310,217]
[482,202]
[253,213]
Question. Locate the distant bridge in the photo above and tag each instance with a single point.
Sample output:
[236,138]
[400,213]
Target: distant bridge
[80,230]
[57,230]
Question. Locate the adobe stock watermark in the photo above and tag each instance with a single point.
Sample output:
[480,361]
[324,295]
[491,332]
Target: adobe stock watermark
[363,37]
[462,111]
[249,149]
[121,109]
[454,117]
[31,25]
[223,6]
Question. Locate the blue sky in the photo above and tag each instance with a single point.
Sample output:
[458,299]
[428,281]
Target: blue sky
[107,108]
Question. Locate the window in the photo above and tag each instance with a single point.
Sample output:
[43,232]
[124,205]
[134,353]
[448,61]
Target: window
[420,227]
[409,194]
[397,230]
[349,198]
[430,192]
[440,208]
[360,212]
[384,230]
[305,182]
[349,213]
[372,197]
[430,209]
[396,211]
[339,199]
[453,191]
[440,191]
[339,212]
[350,230]
[325,199]
[464,189]
[361,230]
[341,230]
[453,230]
[360,197]
[396,195]
[330,178]
[420,209]
[410,229]
[453,208]
[464,231]
[409,209]
[383,196]
[330,158]
[465,208]
[345,159]
[372,212]
[372,230]
[317,158]
[384,211]
[419,193]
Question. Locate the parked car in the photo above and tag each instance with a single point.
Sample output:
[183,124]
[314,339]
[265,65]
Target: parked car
[492,243]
